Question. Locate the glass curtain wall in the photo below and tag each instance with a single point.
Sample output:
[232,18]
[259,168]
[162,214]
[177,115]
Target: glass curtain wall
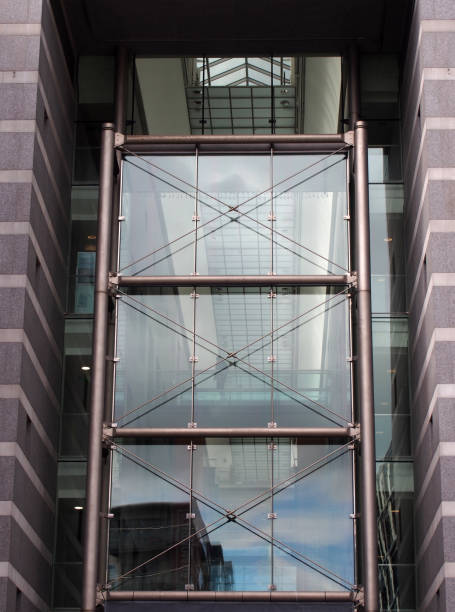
[232,514]
[395,490]
[240,95]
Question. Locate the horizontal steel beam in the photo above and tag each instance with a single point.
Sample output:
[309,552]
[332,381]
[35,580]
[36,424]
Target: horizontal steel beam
[314,280]
[310,596]
[231,432]
[261,142]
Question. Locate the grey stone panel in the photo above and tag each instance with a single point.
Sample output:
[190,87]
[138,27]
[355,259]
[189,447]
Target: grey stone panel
[42,346]
[441,428]
[17,256]
[16,486]
[18,601]
[448,593]
[437,49]
[429,504]
[4,594]
[429,566]
[18,427]
[17,369]
[16,548]
[16,151]
[53,311]
[11,359]
[440,369]
[440,199]
[39,397]
[411,151]
[58,57]
[55,192]
[439,257]
[29,562]
[18,100]
[15,201]
[436,9]
[47,133]
[19,52]
[61,100]
[439,203]
[47,243]
[440,312]
[437,99]
[51,144]
[12,302]
[21,11]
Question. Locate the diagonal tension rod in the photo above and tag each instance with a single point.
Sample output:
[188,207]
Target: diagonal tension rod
[227,205]
[267,493]
[233,354]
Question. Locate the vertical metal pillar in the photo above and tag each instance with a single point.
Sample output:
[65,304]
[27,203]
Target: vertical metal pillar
[97,398]
[120,111]
[365,371]
[354,88]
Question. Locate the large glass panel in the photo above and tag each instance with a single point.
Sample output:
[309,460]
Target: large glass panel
[235,477]
[275,95]
[234,205]
[158,203]
[387,248]
[310,346]
[233,373]
[395,493]
[150,502]
[234,226]
[154,348]
[82,257]
[76,389]
[69,535]
[313,504]
[391,392]
[309,208]
[224,515]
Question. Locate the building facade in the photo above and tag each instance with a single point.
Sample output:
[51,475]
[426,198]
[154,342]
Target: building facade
[265,501]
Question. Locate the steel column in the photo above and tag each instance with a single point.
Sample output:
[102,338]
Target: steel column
[232,281]
[97,398]
[365,370]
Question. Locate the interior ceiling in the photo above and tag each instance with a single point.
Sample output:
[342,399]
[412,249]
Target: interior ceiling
[230,27]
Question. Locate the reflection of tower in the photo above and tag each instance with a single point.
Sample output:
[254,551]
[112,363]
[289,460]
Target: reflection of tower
[142,531]
[395,535]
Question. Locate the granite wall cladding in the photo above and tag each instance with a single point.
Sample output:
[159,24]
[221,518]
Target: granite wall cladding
[36,112]
[428,108]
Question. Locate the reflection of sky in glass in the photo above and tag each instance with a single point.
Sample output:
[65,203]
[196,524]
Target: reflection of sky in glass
[312,511]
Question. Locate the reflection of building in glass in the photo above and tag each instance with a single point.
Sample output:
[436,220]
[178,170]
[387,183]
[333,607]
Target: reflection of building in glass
[140,532]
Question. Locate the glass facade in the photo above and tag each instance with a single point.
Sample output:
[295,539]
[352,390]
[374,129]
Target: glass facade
[236,514]
[395,488]
[226,509]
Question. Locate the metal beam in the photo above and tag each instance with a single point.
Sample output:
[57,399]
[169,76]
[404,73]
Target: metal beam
[365,371]
[97,398]
[228,139]
[231,432]
[232,281]
[285,596]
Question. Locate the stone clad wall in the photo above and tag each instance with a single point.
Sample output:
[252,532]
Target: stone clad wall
[36,112]
[428,109]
